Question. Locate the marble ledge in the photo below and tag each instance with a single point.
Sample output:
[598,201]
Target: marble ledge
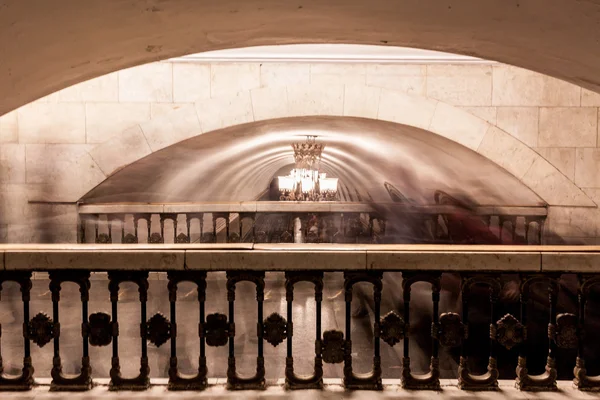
[333,388]
[282,257]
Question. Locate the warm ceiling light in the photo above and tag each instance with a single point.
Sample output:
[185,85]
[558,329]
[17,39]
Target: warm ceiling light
[305,183]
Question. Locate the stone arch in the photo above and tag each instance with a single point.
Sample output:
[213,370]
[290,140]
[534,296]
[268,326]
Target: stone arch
[342,100]
[556,38]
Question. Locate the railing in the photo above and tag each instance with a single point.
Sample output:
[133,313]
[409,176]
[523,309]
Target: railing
[475,266]
[306,222]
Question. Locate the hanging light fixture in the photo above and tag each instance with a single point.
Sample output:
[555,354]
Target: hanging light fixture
[305,182]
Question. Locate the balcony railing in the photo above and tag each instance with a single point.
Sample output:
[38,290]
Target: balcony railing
[476,267]
[306,222]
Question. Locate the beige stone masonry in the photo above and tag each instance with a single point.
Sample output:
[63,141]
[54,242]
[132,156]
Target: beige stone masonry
[460,85]
[580,123]
[587,167]
[150,83]
[359,101]
[562,158]
[516,87]
[505,113]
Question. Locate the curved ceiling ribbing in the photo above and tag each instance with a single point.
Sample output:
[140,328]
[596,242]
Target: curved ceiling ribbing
[47,46]
[238,163]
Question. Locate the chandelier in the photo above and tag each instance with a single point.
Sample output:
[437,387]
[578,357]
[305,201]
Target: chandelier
[305,182]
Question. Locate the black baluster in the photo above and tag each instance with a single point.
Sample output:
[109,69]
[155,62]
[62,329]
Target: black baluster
[177,381]
[25,380]
[582,381]
[234,381]
[83,381]
[371,381]
[547,380]
[429,381]
[489,380]
[142,381]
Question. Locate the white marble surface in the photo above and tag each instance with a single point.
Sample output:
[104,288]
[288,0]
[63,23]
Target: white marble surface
[246,256]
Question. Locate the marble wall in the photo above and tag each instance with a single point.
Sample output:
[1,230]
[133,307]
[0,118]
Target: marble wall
[54,149]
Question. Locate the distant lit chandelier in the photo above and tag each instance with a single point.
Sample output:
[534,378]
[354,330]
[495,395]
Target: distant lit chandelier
[305,182]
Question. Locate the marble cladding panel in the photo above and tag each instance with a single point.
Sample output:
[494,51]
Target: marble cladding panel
[227,79]
[12,163]
[159,109]
[587,167]
[316,99]
[360,101]
[403,77]
[67,171]
[226,111]
[191,82]
[172,127]
[149,83]
[568,127]
[563,158]
[515,87]
[338,74]
[132,146]
[102,89]
[9,128]
[270,103]
[520,122]
[589,98]
[460,85]
[458,125]
[554,187]
[406,109]
[507,152]
[105,120]
[574,221]
[284,74]
[52,123]
[488,114]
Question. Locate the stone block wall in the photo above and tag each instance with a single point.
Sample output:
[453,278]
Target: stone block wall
[47,147]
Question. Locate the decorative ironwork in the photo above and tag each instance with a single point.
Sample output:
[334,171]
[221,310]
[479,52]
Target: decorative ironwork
[41,329]
[130,239]
[158,330]
[275,329]
[451,330]
[182,238]
[60,381]
[392,328]
[488,380]
[217,330]
[234,237]
[142,381]
[582,381]
[286,237]
[176,380]
[103,238]
[156,238]
[565,333]
[333,346]
[510,332]
[99,329]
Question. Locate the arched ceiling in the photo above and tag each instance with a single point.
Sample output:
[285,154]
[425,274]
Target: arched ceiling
[238,163]
[48,45]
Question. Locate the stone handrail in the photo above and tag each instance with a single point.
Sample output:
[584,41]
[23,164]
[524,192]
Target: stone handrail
[299,206]
[285,257]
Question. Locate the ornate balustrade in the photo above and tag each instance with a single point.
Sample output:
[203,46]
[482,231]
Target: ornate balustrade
[475,265]
[317,222]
